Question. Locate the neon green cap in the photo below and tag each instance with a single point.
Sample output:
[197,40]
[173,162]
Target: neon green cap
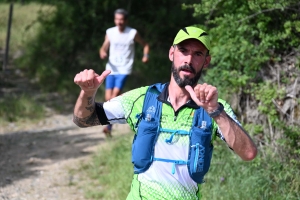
[192,33]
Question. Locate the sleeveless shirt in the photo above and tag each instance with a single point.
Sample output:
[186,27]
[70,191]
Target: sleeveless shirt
[121,50]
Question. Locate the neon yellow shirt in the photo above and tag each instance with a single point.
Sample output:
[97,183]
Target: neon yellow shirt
[158,182]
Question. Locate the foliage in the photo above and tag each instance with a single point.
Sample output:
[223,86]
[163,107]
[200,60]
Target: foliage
[246,34]
[229,177]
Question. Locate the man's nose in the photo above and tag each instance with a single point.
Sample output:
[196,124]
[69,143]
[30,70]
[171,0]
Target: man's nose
[188,59]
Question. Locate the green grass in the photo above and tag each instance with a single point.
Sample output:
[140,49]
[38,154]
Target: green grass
[18,108]
[263,178]
[110,173]
[24,24]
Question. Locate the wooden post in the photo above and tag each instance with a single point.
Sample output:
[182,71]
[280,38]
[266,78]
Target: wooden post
[5,57]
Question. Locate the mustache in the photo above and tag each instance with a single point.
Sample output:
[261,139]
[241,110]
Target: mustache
[187,67]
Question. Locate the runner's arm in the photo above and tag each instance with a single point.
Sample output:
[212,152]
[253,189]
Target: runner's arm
[145,45]
[85,114]
[104,48]
[236,137]
[84,111]
[242,142]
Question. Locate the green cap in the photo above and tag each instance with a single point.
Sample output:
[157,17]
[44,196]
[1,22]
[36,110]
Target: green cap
[192,33]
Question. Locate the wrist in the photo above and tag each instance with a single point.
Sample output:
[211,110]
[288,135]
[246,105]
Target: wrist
[146,55]
[88,92]
[214,112]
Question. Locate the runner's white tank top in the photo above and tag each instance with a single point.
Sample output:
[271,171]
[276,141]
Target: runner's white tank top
[121,50]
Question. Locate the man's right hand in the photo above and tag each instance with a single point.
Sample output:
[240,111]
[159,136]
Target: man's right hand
[103,55]
[90,81]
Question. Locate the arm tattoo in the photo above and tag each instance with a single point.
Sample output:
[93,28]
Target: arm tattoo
[90,103]
[90,108]
[91,120]
[88,121]
[90,100]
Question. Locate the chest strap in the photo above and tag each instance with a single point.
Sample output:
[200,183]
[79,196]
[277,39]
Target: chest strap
[175,162]
[169,141]
[179,132]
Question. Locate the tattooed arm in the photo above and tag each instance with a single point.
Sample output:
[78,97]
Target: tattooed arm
[84,111]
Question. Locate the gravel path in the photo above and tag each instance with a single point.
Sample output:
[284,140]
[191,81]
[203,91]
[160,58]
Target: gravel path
[40,161]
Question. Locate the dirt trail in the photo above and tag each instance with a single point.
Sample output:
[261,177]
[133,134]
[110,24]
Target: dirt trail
[40,163]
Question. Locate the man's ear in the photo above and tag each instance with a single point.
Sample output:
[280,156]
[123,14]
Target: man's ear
[171,53]
[207,61]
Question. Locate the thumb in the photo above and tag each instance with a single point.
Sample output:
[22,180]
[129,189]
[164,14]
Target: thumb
[100,79]
[192,94]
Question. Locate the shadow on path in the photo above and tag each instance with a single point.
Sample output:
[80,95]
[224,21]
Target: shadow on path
[23,153]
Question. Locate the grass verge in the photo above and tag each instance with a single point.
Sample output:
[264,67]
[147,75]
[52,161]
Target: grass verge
[263,178]
[110,173]
[16,108]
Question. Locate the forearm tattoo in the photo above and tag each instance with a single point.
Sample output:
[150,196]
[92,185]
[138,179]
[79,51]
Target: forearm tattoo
[88,121]
[91,120]
[90,100]
[91,106]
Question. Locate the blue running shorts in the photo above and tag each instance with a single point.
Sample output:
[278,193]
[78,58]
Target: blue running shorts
[115,81]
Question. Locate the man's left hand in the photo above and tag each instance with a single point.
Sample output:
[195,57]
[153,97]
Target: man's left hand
[204,95]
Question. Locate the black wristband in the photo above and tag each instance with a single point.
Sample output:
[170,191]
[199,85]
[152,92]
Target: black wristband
[217,112]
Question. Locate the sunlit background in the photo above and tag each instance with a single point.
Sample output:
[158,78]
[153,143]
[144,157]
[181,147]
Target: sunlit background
[255,65]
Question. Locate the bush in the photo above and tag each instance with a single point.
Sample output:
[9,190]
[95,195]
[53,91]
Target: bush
[255,64]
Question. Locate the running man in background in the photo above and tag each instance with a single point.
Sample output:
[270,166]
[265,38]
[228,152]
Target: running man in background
[120,42]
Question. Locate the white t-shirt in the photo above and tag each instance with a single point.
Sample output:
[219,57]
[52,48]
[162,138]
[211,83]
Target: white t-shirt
[121,50]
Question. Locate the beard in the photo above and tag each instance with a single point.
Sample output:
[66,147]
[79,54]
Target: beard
[182,82]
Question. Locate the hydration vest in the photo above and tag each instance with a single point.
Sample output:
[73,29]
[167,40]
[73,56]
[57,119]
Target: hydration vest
[148,129]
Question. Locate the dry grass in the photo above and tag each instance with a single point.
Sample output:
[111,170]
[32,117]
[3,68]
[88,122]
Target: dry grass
[24,23]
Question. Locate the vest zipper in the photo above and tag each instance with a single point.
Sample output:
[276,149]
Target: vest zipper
[175,115]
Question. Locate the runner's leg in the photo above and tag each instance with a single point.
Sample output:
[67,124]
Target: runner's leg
[119,84]
[108,94]
[115,92]
[109,85]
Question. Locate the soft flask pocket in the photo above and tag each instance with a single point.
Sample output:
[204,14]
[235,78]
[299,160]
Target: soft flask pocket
[200,153]
[141,150]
